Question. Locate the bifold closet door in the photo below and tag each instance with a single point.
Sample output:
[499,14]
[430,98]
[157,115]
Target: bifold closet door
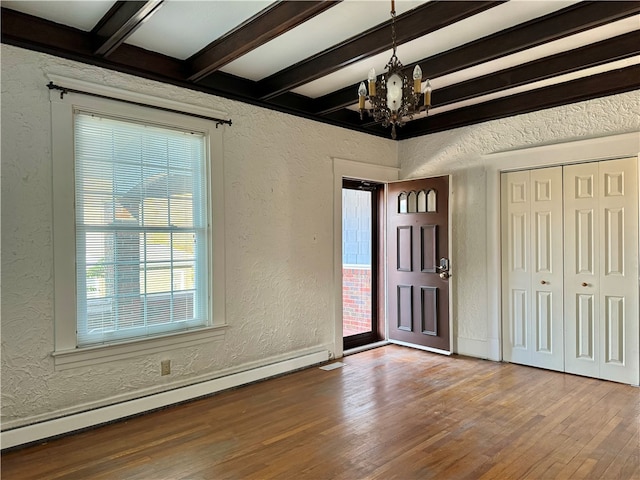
[532,268]
[601,270]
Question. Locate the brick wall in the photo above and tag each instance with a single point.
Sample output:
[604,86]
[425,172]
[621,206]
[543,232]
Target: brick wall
[356,299]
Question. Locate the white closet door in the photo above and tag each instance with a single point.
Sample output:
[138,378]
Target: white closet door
[582,269]
[516,271]
[532,268]
[547,268]
[601,270]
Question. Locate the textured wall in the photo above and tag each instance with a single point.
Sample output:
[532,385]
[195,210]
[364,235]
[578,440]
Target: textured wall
[279,230]
[459,152]
[279,239]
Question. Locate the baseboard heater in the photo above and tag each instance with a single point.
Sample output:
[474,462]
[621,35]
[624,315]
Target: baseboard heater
[92,418]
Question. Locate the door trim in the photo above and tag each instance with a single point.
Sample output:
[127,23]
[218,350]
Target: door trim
[362,171]
[594,149]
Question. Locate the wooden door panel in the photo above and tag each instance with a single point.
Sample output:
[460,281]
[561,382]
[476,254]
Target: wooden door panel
[418,215]
[405,308]
[429,308]
[428,248]
[404,248]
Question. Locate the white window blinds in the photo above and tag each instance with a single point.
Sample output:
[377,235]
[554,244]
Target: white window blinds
[141,229]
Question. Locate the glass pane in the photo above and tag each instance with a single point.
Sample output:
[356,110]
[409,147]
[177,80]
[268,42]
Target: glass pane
[412,202]
[431,201]
[402,203]
[356,260]
[422,201]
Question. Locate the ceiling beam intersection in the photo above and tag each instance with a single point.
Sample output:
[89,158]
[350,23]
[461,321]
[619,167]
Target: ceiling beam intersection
[420,21]
[557,25]
[122,19]
[268,24]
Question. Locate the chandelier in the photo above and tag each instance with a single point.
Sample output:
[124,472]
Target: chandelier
[393,97]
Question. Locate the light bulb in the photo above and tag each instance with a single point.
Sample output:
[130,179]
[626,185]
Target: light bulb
[427,94]
[362,92]
[372,82]
[417,80]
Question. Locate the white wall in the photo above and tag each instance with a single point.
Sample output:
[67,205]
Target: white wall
[460,152]
[279,244]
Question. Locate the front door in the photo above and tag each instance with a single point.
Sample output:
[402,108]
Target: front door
[418,263]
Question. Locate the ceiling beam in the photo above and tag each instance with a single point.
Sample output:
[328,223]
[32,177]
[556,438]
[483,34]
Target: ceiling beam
[587,88]
[268,24]
[420,21]
[37,34]
[554,26]
[606,51]
[27,31]
[122,19]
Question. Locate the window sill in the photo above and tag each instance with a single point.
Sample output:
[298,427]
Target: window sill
[82,357]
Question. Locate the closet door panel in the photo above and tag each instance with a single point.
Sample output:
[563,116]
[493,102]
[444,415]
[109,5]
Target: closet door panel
[532,268]
[601,270]
[547,268]
[516,270]
[618,279]
[582,334]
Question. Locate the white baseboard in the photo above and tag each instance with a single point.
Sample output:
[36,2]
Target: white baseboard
[472,348]
[78,421]
[495,352]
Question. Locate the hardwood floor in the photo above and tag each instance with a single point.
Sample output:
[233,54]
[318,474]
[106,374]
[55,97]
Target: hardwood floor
[389,413]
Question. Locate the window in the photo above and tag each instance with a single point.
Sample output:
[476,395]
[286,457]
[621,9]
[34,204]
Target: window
[138,228]
[141,229]
[423,201]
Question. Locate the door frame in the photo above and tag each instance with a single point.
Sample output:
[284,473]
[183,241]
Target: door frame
[377,332]
[452,270]
[361,171]
[590,150]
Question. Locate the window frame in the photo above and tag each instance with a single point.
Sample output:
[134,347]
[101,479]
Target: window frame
[66,352]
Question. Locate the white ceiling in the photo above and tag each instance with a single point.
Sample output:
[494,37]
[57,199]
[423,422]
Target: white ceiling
[181,28]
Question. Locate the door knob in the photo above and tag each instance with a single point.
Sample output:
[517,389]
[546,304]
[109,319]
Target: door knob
[444,275]
[543,282]
[585,284]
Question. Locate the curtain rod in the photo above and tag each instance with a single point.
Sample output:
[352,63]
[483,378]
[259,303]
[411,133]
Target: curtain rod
[63,90]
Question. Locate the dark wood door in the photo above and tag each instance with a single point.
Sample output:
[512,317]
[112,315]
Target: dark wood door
[418,262]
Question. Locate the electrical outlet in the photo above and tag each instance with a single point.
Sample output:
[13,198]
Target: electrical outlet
[165,367]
